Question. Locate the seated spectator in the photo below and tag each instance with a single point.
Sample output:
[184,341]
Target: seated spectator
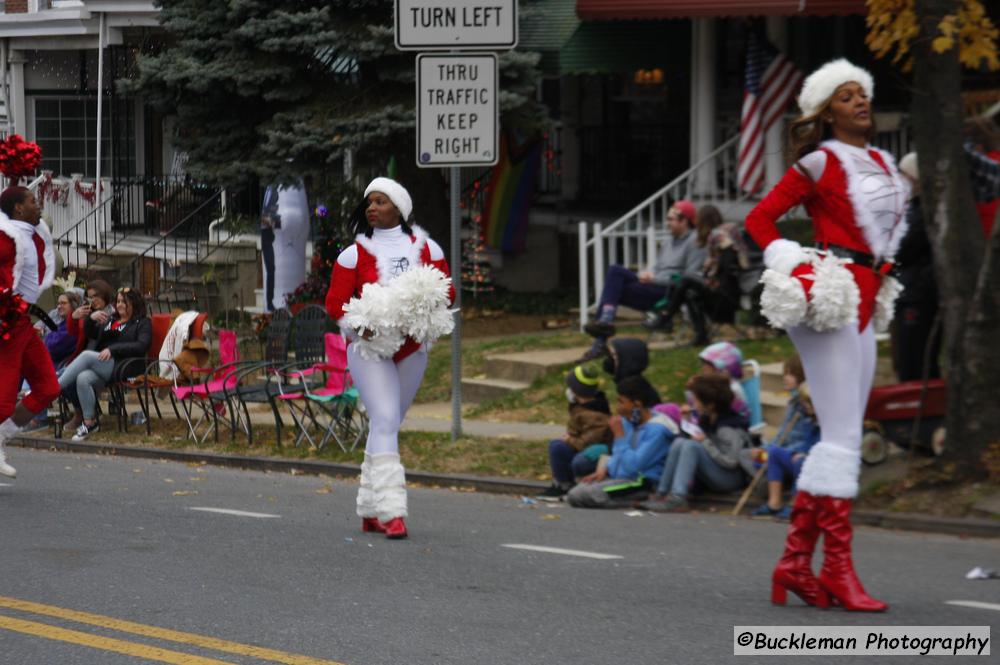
[726,359]
[96,311]
[636,460]
[715,294]
[785,454]
[708,453]
[125,337]
[61,342]
[678,256]
[589,413]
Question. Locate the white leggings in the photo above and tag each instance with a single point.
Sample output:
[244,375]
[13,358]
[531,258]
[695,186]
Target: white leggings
[840,368]
[387,389]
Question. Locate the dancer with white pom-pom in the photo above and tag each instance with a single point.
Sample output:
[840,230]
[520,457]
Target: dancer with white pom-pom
[390,293]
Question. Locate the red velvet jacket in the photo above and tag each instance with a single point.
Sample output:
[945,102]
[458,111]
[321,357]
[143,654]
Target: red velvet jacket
[346,283]
[835,220]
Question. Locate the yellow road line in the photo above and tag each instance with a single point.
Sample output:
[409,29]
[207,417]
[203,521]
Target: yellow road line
[260,653]
[105,643]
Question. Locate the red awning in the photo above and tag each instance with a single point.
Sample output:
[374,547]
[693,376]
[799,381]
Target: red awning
[610,10]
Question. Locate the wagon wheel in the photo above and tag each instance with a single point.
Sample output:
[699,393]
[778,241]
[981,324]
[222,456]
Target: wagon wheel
[938,441]
[874,448]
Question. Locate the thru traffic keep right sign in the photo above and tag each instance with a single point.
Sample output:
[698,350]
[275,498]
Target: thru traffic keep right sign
[456,110]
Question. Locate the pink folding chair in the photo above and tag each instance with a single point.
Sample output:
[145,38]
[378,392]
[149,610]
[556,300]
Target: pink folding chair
[208,398]
[330,407]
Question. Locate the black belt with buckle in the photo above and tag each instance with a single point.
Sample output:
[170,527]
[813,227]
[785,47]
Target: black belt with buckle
[863,259]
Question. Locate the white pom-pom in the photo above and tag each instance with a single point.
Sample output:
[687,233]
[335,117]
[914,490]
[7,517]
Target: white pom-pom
[422,296]
[783,301]
[375,310]
[834,297]
[885,302]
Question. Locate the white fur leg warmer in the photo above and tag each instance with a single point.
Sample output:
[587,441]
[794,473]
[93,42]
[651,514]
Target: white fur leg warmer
[831,470]
[366,494]
[389,485]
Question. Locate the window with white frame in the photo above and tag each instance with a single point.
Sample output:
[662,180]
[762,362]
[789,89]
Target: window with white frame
[65,129]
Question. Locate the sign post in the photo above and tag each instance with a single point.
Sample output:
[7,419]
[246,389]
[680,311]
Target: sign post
[457,110]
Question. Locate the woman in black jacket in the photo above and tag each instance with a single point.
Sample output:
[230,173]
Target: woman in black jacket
[122,339]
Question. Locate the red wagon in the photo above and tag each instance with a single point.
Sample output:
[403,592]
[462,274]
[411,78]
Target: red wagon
[890,415]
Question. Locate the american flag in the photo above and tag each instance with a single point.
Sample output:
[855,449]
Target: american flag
[771,82]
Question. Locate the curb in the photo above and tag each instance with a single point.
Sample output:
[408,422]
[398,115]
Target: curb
[954,526]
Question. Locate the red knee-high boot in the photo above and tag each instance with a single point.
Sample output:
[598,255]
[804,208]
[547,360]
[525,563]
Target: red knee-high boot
[794,570]
[837,575]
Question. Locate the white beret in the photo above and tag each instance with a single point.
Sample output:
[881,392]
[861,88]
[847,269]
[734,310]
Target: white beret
[822,83]
[396,193]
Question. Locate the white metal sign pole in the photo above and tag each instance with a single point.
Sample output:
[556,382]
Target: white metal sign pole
[456,280]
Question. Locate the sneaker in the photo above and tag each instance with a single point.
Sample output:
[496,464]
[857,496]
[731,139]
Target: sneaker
[658,321]
[83,431]
[599,329]
[553,493]
[764,511]
[668,504]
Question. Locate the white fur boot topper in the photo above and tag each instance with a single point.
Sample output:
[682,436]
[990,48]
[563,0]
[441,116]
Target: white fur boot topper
[831,470]
[389,485]
[366,495]
[885,302]
[834,298]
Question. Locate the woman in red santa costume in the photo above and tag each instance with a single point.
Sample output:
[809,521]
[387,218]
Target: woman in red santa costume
[830,297]
[27,266]
[387,384]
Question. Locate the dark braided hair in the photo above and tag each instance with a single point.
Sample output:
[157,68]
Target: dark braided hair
[359,223]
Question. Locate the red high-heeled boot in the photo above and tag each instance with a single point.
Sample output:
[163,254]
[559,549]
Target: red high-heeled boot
[372,525]
[794,570]
[837,575]
[395,528]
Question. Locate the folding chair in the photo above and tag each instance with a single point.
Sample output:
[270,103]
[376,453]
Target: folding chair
[333,408]
[208,398]
[243,390]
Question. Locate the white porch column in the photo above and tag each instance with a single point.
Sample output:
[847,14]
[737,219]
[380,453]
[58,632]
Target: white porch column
[774,143]
[702,100]
[18,106]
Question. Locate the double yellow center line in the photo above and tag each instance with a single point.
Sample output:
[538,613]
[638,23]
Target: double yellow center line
[137,649]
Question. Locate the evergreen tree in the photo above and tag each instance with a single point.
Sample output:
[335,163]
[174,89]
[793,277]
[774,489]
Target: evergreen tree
[279,90]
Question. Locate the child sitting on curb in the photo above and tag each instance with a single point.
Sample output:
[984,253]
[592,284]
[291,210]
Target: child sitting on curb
[636,460]
[709,454]
[589,413]
[785,454]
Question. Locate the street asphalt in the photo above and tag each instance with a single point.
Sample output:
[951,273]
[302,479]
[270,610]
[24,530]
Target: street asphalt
[129,540]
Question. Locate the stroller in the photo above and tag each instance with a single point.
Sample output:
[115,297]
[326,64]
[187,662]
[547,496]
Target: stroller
[891,413]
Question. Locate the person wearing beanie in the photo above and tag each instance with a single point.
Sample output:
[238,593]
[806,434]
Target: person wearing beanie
[679,256]
[588,426]
[641,441]
[387,248]
[831,297]
[27,267]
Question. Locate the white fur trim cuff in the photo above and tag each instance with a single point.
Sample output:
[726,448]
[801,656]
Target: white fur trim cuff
[784,256]
[783,300]
[822,83]
[885,303]
[366,495]
[396,193]
[831,470]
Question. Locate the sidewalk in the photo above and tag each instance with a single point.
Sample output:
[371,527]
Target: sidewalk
[436,417]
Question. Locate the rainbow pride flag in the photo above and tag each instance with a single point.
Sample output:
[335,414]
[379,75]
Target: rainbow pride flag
[509,194]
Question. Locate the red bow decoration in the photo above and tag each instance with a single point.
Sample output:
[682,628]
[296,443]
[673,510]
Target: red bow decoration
[19,158]
[12,308]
